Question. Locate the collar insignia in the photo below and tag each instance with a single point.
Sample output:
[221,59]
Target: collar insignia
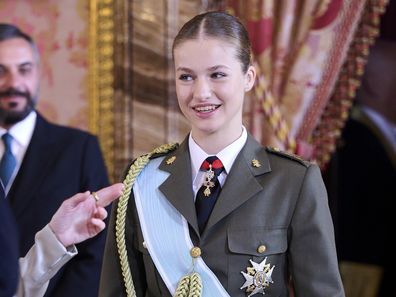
[258,277]
[171,160]
[256,163]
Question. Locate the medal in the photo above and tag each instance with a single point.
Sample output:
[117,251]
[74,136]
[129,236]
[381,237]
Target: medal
[209,175]
[258,277]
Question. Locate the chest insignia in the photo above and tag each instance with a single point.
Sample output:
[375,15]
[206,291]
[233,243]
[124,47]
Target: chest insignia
[258,277]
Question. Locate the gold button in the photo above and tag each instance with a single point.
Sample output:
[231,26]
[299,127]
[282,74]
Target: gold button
[261,249]
[195,252]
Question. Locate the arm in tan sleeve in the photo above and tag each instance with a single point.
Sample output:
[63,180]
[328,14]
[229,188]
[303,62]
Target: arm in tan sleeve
[41,263]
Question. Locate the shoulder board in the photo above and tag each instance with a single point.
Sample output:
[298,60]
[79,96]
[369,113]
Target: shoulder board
[288,155]
[163,150]
[159,151]
[142,160]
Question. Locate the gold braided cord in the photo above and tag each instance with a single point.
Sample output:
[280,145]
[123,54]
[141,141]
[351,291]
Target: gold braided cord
[130,179]
[337,110]
[183,287]
[195,285]
[273,113]
[189,286]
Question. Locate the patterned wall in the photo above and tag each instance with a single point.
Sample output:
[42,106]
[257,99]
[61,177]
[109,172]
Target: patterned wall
[60,31]
[145,105]
[143,111]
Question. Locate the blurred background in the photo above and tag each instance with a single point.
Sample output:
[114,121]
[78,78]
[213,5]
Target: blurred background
[326,92]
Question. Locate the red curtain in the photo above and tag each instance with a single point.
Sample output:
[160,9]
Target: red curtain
[310,55]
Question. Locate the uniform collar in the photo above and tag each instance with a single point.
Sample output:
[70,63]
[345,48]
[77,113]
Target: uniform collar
[226,155]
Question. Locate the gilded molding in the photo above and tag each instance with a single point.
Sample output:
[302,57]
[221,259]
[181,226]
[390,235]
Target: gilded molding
[101,77]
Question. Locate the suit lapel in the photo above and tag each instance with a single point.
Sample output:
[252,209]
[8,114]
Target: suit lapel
[241,183]
[33,170]
[177,188]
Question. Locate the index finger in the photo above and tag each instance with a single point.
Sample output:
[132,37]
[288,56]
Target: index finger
[109,194]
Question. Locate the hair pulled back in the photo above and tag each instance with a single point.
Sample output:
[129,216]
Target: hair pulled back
[219,25]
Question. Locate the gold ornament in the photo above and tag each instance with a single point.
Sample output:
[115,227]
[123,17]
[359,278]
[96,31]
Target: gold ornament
[256,163]
[209,175]
[171,160]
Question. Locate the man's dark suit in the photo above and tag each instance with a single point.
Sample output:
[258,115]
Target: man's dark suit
[8,249]
[59,163]
[281,204]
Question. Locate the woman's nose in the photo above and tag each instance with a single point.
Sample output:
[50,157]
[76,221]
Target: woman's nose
[202,89]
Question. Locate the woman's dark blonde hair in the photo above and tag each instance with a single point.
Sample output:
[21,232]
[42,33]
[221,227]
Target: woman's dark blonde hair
[218,25]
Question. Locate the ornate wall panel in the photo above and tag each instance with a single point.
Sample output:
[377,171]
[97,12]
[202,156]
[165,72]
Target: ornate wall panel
[107,67]
[145,105]
[60,30]
[101,77]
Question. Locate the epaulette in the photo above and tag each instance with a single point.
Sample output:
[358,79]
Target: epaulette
[163,150]
[288,155]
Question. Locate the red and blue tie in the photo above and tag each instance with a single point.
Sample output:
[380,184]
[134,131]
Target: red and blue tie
[209,191]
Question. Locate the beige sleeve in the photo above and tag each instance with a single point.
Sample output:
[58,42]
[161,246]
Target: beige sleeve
[41,263]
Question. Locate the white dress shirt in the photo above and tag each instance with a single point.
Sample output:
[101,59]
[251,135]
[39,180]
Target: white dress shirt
[21,133]
[227,156]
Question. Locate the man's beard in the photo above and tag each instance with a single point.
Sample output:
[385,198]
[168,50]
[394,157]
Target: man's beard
[10,117]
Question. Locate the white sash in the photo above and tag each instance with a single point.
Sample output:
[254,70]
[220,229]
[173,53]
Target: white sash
[166,234]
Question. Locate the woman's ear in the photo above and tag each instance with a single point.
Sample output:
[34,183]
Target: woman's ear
[250,78]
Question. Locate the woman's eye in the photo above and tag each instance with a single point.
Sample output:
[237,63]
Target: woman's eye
[218,75]
[185,77]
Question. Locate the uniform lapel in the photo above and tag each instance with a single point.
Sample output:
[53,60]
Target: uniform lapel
[177,188]
[241,183]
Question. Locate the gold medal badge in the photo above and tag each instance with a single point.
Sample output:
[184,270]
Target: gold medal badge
[209,175]
[258,277]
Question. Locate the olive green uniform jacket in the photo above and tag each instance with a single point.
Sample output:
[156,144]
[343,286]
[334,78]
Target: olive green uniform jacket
[280,204]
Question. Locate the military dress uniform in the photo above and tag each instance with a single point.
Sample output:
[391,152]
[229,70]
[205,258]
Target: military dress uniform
[272,207]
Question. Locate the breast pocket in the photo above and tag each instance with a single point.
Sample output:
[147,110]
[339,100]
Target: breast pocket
[257,244]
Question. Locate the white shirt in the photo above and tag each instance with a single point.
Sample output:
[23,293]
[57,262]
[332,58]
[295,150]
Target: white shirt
[227,156]
[22,134]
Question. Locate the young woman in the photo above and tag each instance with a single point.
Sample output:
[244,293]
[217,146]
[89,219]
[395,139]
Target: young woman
[244,223]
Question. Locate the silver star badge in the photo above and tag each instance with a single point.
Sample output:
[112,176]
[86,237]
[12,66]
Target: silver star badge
[258,277]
